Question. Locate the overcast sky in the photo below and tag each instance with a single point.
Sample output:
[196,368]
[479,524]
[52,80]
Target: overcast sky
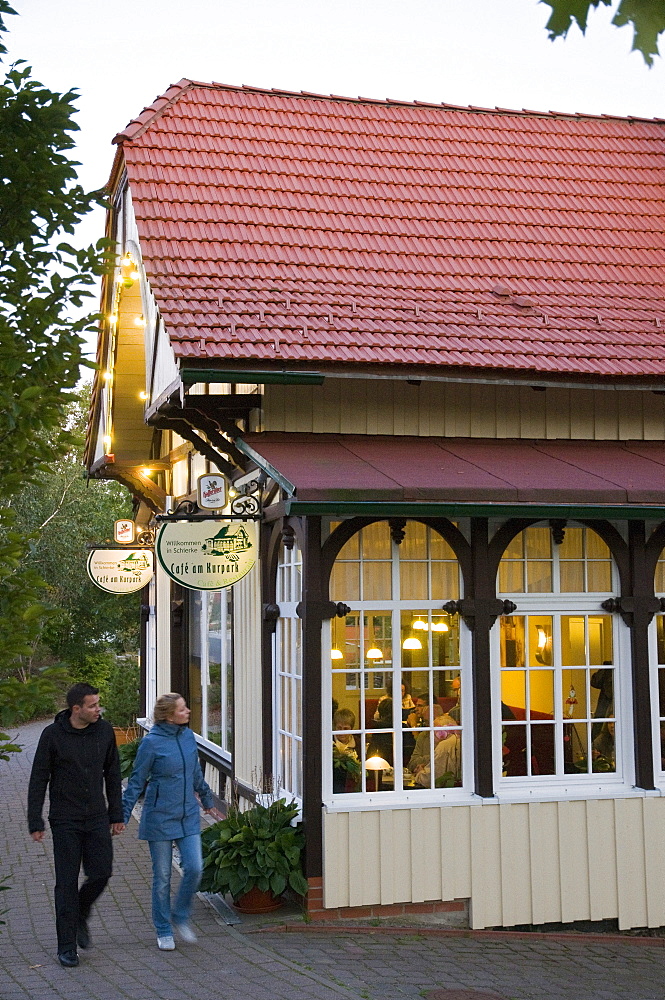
[121,55]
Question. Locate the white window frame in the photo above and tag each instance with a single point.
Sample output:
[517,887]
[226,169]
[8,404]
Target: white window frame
[556,604]
[289,668]
[225,653]
[357,801]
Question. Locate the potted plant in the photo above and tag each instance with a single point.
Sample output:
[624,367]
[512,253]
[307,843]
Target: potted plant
[255,856]
[346,771]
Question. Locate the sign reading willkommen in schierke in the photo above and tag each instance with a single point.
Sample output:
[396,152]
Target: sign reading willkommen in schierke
[207,555]
[120,571]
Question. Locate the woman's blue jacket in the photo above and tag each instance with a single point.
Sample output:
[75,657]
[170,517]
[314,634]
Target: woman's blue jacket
[168,760]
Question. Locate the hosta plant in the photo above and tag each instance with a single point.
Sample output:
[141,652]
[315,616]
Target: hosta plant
[254,849]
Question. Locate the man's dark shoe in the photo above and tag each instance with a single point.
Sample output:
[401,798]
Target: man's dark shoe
[68,959]
[82,933]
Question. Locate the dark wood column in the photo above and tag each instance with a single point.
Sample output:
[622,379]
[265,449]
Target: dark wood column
[483,587]
[312,611]
[179,643]
[144,709]
[638,611]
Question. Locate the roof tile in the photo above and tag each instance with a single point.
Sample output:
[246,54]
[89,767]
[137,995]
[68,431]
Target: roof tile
[364,209]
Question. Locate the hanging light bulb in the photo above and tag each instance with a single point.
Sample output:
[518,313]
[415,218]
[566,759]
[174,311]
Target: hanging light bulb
[439,627]
[336,654]
[420,624]
[374,653]
[412,643]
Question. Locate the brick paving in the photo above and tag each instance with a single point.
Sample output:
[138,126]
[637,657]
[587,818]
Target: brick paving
[274,964]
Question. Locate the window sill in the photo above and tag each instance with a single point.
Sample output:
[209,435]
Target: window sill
[354,802]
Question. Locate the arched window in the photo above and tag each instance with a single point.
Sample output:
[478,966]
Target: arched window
[287,681]
[558,693]
[396,666]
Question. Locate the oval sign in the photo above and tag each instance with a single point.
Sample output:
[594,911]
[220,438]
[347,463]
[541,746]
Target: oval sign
[120,571]
[207,555]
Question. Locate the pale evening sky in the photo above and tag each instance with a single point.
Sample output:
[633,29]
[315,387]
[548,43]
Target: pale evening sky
[121,55]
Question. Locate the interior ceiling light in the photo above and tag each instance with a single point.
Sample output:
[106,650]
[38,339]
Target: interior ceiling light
[542,638]
[412,643]
[374,653]
[336,654]
[439,627]
[139,321]
[146,472]
[107,375]
[143,395]
[420,624]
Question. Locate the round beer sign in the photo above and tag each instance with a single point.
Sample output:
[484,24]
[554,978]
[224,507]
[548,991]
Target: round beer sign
[207,555]
[120,571]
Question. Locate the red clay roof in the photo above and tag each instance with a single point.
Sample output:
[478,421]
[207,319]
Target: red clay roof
[288,228]
[354,467]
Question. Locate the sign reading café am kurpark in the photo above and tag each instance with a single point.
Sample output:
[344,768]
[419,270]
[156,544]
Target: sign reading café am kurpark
[120,571]
[207,555]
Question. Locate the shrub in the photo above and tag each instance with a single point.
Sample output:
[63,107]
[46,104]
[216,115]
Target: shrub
[34,697]
[120,694]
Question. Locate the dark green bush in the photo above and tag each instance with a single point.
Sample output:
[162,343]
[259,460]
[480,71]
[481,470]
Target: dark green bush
[33,698]
[120,694]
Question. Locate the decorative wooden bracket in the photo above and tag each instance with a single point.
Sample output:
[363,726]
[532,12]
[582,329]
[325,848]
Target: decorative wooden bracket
[628,607]
[323,609]
[271,616]
[469,608]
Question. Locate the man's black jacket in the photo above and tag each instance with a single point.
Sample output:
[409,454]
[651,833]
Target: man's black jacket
[75,764]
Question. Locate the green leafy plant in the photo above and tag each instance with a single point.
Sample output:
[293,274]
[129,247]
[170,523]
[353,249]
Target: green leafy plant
[120,695]
[33,696]
[127,753]
[344,762]
[7,748]
[254,849]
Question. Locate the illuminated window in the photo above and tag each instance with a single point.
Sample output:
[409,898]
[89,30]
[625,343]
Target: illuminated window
[287,659]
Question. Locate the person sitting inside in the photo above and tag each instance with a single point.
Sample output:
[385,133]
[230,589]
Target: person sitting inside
[381,744]
[420,757]
[447,769]
[603,750]
[407,701]
[343,721]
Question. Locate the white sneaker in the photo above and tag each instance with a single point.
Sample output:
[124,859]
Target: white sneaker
[166,943]
[186,932]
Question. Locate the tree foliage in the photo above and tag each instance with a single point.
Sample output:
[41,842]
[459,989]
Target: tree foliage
[42,282]
[647,18]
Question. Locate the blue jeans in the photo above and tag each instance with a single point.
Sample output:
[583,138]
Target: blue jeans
[191,864]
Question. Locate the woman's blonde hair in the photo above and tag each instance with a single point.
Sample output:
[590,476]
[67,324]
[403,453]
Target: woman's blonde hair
[165,706]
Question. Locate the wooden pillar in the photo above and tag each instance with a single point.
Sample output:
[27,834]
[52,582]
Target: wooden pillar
[484,597]
[638,613]
[312,612]
[144,657]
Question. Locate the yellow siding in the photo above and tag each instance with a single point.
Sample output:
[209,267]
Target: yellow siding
[522,863]
[455,409]
[247,676]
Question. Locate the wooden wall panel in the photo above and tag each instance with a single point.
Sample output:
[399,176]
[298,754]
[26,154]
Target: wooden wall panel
[545,866]
[631,863]
[602,859]
[456,409]
[537,862]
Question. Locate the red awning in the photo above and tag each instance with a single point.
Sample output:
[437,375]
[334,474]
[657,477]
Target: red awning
[461,470]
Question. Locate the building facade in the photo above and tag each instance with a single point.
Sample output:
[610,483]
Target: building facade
[430,342]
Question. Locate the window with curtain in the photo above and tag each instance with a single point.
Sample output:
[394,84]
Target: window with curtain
[396,671]
[559,686]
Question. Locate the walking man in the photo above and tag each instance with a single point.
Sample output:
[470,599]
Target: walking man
[77,760]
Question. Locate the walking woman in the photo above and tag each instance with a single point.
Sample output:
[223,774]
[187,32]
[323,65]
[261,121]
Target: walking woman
[167,760]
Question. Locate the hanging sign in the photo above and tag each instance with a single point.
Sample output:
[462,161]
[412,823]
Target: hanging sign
[120,571]
[207,555]
[211,492]
[124,531]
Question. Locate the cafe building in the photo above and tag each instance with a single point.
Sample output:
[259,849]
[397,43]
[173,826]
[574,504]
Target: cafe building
[427,343]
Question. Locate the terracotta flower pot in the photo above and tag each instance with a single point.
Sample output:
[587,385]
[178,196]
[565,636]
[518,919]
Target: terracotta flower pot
[125,735]
[258,901]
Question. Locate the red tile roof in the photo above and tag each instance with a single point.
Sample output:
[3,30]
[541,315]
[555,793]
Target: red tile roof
[289,228]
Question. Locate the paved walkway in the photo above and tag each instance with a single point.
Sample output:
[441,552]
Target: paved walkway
[240,963]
